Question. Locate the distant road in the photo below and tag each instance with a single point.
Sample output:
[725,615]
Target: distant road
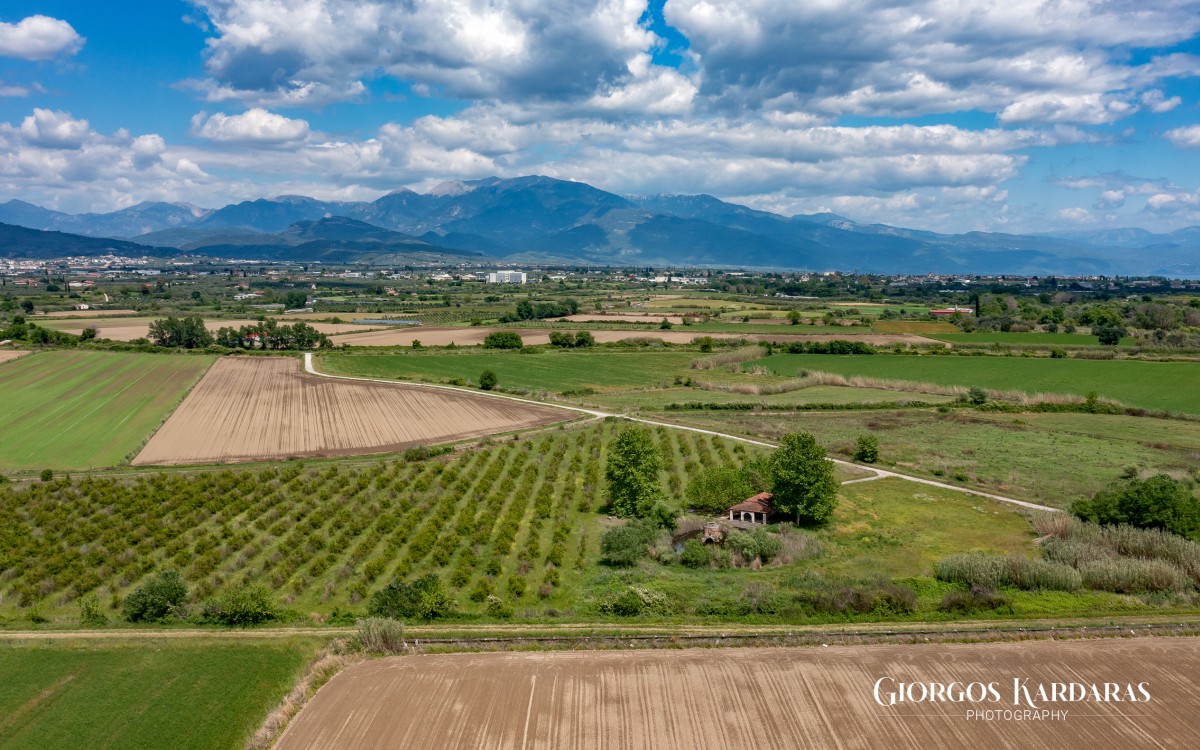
[879,473]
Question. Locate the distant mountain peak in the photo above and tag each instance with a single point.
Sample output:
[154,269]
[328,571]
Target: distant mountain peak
[451,188]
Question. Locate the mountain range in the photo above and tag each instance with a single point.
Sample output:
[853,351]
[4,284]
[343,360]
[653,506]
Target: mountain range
[546,220]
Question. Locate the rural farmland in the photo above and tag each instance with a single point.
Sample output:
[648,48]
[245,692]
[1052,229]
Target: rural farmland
[8,355]
[260,408]
[756,699]
[433,336]
[1172,386]
[81,409]
[129,329]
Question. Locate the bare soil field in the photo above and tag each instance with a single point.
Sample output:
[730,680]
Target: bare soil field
[128,329]
[92,313]
[755,699]
[475,335]
[254,408]
[7,355]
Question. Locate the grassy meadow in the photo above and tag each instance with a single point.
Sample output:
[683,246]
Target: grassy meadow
[555,371]
[201,695]
[1171,386]
[1050,459]
[1028,338]
[87,409]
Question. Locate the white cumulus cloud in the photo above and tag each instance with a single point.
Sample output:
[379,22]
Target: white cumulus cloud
[1185,137]
[54,129]
[253,127]
[39,38]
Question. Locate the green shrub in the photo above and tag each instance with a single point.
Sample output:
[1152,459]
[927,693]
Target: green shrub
[495,607]
[866,449]
[423,599]
[503,340]
[879,598]
[1160,502]
[1133,576]
[488,380]
[381,635]
[156,599]
[243,605]
[90,613]
[635,600]
[695,554]
[974,599]
[47,475]
[977,396]
[758,544]
[624,546]
[717,488]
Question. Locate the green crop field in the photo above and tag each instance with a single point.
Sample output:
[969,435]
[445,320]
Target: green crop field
[546,370]
[80,409]
[1171,386]
[817,394]
[1051,459]
[155,694]
[1030,338]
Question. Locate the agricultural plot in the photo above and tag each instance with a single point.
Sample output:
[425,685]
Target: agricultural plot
[1172,386]
[195,695]
[516,519]
[817,394]
[83,409]
[250,408]
[474,335]
[553,371]
[8,355]
[1029,338]
[729,699]
[1050,459]
[128,329]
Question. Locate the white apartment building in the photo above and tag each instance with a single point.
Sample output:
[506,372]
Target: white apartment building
[506,277]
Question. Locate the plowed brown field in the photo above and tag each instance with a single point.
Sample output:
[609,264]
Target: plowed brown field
[128,329]
[757,699]
[8,354]
[531,336]
[265,407]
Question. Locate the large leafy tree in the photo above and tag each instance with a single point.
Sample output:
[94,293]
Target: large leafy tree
[802,481]
[1159,502]
[632,474]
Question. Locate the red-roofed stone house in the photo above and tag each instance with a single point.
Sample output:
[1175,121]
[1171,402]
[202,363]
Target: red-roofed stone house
[754,510]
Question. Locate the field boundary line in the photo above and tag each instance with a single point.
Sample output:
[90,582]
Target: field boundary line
[880,473]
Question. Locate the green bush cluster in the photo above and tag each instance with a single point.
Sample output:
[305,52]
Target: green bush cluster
[156,600]
[580,339]
[503,340]
[624,546]
[1159,502]
[424,599]
[758,544]
[635,600]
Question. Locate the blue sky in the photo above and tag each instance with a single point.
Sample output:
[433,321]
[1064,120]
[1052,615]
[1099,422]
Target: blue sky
[1025,115]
